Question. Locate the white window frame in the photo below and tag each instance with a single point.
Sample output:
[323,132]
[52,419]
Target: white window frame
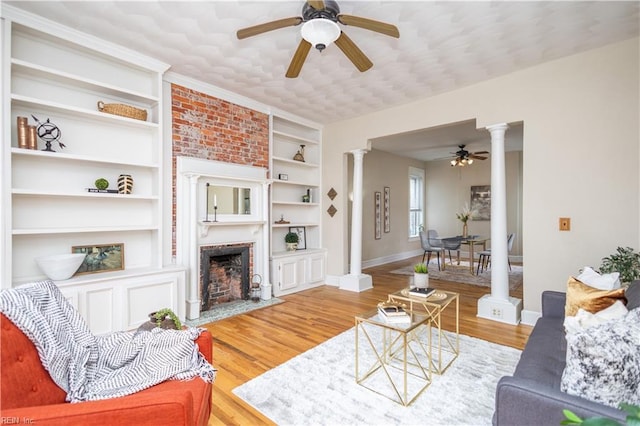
[416,212]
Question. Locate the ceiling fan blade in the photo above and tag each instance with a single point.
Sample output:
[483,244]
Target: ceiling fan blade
[352,52]
[481,152]
[269,26]
[370,24]
[476,157]
[298,59]
[316,4]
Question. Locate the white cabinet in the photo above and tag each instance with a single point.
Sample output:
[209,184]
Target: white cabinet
[57,74]
[295,201]
[297,271]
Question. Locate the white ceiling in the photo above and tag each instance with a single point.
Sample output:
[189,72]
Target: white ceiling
[442,46]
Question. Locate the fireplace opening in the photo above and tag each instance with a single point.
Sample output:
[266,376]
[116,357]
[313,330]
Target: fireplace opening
[224,275]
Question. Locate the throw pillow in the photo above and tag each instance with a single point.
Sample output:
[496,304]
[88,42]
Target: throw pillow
[601,282]
[583,319]
[632,293]
[603,362]
[580,295]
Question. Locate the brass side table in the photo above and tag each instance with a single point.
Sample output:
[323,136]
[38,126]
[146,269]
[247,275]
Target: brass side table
[433,306]
[399,354]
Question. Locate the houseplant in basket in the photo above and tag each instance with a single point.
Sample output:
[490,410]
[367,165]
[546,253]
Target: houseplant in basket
[420,275]
[163,318]
[292,241]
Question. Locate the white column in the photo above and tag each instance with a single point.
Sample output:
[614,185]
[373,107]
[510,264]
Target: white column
[266,288]
[356,280]
[193,273]
[499,306]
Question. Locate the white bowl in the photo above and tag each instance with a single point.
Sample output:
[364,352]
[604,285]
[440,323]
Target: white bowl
[60,266]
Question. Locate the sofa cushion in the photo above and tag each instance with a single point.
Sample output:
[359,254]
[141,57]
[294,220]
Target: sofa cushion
[580,295]
[596,280]
[603,362]
[583,319]
[633,295]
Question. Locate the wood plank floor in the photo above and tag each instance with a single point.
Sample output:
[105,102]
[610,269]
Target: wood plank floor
[247,345]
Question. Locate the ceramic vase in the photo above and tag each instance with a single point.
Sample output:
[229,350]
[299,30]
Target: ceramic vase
[125,184]
[420,280]
[465,230]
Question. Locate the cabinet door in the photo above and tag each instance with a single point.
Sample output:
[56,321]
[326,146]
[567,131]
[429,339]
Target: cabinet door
[316,268]
[290,273]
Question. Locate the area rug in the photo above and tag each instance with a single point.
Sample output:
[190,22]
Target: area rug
[461,274]
[230,309]
[318,388]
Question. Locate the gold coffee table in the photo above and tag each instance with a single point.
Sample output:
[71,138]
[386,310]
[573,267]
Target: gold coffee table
[396,357]
[433,306]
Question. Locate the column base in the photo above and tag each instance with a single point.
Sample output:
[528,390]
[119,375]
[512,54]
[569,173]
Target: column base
[356,283]
[507,311]
[193,309]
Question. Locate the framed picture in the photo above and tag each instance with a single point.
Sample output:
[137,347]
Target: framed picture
[302,236]
[481,202]
[377,208]
[387,208]
[100,258]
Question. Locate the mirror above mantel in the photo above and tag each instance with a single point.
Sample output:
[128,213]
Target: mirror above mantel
[228,200]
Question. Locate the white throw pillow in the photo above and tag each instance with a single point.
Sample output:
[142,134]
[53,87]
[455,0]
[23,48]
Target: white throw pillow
[584,319]
[601,282]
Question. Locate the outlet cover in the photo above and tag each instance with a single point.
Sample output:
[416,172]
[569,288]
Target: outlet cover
[565,224]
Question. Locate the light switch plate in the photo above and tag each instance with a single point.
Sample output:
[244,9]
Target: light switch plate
[565,224]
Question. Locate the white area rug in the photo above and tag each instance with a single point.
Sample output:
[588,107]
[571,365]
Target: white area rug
[318,388]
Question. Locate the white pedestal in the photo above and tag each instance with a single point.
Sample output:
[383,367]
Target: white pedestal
[356,283]
[265,291]
[500,310]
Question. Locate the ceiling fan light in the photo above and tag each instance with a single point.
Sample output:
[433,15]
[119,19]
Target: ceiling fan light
[470,161]
[320,32]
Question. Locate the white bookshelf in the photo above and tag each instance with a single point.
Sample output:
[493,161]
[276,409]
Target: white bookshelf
[292,179]
[60,75]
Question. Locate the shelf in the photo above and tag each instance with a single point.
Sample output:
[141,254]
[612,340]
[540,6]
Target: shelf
[38,71]
[30,102]
[206,226]
[294,224]
[295,203]
[34,193]
[294,138]
[46,231]
[291,182]
[304,252]
[297,163]
[80,158]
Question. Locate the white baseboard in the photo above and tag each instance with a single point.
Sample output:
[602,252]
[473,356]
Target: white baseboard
[332,280]
[530,317]
[391,258]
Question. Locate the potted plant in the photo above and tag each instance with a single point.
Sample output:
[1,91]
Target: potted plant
[292,241]
[166,318]
[625,261]
[421,275]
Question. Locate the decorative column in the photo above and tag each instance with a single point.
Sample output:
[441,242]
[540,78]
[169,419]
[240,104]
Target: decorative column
[193,273]
[356,280]
[499,306]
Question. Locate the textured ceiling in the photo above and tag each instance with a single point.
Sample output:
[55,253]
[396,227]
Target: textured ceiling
[442,45]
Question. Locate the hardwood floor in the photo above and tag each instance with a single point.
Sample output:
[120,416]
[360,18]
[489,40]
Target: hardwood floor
[247,345]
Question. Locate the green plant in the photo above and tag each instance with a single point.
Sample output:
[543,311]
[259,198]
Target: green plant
[291,238]
[164,313]
[633,418]
[102,183]
[420,268]
[625,261]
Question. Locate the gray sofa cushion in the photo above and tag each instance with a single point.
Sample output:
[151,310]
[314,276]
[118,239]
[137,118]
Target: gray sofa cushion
[544,359]
[633,295]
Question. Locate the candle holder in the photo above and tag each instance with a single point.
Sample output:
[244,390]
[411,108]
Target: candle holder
[215,213]
[206,207]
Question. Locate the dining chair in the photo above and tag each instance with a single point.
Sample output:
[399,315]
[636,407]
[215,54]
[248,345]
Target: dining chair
[451,243]
[431,244]
[484,258]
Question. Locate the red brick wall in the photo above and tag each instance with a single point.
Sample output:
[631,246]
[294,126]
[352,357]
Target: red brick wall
[213,129]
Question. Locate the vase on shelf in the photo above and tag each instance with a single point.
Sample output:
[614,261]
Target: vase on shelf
[125,184]
[465,230]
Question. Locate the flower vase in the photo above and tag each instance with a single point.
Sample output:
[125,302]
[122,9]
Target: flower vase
[125,184]
[465,230]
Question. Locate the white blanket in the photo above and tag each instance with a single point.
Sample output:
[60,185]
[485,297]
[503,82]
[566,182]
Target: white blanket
[92,367]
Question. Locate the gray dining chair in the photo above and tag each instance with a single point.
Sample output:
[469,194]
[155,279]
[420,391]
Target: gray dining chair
[484,258]
[431,244]
[451,243]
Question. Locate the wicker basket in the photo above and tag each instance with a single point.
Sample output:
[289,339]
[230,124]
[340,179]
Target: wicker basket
[123,110]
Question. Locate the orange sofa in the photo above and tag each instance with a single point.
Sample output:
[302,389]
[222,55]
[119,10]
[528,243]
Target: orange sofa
[29,395]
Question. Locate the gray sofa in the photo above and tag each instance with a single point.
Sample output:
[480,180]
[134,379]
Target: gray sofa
[532,396]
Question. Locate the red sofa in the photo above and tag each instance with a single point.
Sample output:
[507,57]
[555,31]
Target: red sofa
[28,395]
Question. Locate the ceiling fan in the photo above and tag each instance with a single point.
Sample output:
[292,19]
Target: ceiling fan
[320,28]
[464,157]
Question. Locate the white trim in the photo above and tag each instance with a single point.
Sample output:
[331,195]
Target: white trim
[76,37]
[391,258]
[530,317]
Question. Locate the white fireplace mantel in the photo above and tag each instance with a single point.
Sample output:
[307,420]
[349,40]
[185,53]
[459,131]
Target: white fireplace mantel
[193,231]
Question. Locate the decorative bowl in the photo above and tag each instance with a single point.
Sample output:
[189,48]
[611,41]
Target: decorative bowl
[60,266]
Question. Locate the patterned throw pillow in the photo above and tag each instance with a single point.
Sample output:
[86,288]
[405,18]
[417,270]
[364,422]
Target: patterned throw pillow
[603,362]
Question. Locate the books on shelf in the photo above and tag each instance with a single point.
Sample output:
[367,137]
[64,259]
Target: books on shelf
[103,191]
[421,292]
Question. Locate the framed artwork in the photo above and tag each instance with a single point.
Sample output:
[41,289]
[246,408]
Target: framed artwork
[302,236]
[387,208]
[377,215]
[481,202]
[100,258]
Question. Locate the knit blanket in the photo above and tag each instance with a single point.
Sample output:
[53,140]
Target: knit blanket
[90,367]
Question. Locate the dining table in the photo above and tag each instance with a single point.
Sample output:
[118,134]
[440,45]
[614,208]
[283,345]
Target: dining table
[472,241]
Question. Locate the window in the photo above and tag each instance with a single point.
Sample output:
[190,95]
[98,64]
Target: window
[416,201]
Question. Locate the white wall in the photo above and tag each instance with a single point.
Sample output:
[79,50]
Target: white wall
[581,152]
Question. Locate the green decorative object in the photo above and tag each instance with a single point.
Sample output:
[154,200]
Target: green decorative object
[625,261]
[102,183]
[164,314]
[420,268]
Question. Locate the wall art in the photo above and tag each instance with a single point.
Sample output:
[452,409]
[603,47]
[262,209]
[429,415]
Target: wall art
[100,258]
[387,209]
[481,202]
[377,215]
